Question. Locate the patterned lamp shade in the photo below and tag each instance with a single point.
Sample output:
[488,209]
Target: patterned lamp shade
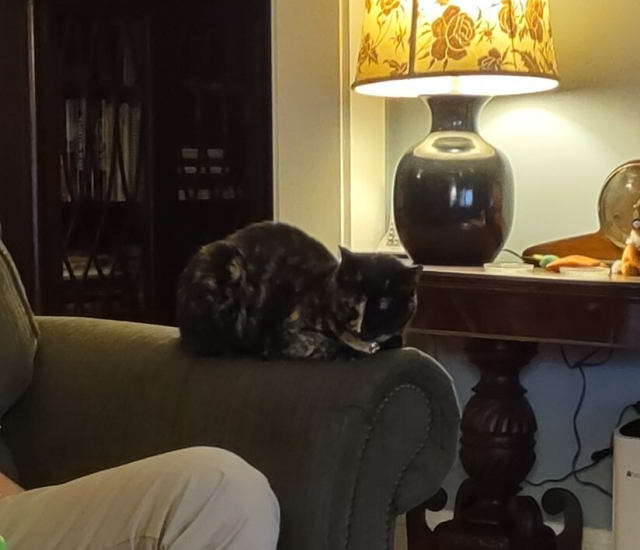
[471,47]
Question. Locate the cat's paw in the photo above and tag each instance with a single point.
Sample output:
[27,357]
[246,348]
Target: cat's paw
[395,342]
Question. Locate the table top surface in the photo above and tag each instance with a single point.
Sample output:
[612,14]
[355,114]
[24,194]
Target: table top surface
[538,274]
[541,306]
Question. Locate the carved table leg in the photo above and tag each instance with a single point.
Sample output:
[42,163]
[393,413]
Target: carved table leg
[419,536]
[497,452]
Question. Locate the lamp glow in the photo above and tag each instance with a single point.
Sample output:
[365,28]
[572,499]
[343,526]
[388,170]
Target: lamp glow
[468,47]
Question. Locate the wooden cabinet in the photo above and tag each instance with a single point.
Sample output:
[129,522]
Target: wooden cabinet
[130,134]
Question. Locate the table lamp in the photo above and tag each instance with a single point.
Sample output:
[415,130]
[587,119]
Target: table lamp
[453,192]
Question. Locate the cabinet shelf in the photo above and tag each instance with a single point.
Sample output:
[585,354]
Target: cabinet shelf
[214,87]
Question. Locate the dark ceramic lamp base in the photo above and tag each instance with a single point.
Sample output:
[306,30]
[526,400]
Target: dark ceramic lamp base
[453,194]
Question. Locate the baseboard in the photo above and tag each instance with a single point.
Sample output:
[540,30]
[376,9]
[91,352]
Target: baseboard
[597,539]
[592,539]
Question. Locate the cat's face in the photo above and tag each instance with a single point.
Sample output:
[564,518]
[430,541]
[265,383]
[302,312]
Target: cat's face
[375,295]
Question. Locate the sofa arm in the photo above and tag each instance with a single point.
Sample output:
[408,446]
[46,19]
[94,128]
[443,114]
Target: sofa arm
[346,446]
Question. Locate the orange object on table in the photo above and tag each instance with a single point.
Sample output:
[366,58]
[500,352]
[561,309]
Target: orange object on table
[574,260]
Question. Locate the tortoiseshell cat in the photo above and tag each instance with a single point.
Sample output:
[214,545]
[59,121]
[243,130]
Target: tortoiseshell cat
[272,291]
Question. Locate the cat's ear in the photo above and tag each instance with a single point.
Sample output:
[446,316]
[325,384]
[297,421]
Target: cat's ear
[349,269]
[345,253]
[409,276]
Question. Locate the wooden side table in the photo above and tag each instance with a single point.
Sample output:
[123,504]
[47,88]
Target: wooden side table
[505,317]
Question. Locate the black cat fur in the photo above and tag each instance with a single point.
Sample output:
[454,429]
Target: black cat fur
[272,291]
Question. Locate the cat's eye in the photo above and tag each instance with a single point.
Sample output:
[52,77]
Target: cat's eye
[384,303]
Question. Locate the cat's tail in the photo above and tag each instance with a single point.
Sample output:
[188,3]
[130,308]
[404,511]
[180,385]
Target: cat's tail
[212,301]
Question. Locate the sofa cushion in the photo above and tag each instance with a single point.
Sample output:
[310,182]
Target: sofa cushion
[18,342]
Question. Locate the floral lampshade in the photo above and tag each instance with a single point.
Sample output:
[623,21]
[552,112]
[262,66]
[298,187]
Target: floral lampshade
[471,47]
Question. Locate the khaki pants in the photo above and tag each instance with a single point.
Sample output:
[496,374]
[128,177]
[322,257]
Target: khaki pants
[194,499]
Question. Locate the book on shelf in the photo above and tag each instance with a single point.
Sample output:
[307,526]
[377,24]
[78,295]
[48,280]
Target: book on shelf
[129,125]
[106,140]
[98,168]
[75,120]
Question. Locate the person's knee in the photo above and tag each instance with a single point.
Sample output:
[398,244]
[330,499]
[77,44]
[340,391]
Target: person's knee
[213,477]
[226,471]
[210,466]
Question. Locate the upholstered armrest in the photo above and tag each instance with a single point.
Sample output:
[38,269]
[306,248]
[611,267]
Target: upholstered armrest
[346,446]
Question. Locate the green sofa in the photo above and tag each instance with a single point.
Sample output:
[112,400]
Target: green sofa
[347,447]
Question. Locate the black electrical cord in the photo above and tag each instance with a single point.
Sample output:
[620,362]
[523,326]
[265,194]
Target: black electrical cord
[578,438]
[584,362]
[564,477]
[509,251]
[598,456]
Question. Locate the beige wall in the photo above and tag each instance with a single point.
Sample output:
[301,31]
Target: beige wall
[367,147]
[307,127]
[329,143]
